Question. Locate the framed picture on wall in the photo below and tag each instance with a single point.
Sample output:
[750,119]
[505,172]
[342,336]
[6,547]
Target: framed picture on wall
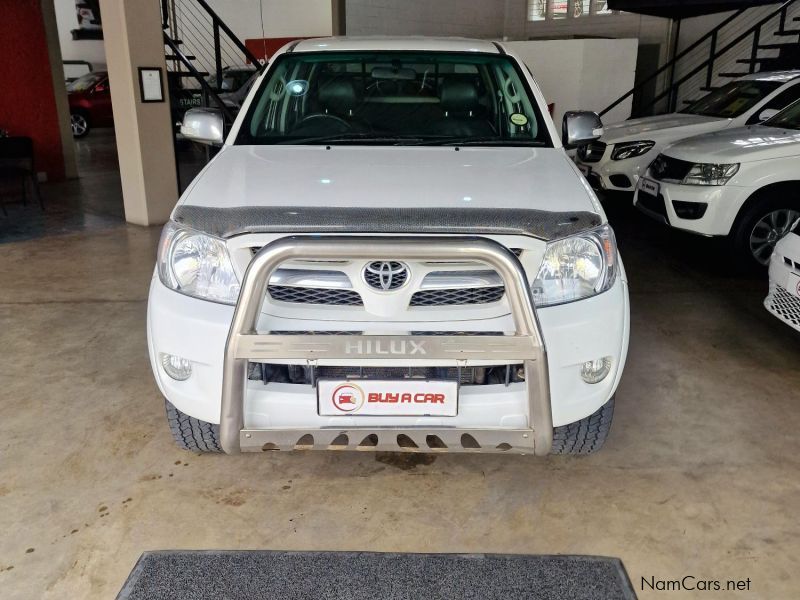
[150,84]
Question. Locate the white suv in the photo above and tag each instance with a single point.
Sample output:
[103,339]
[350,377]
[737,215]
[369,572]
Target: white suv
[621,156]
[742,182]
[391,251]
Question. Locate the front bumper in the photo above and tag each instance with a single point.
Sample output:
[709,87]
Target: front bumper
[783,299]
[615,175]
[496,416]
[723,204]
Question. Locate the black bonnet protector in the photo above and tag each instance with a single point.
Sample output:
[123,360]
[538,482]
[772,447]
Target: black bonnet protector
[230,222]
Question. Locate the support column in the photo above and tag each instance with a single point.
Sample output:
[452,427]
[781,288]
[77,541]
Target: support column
[134,38]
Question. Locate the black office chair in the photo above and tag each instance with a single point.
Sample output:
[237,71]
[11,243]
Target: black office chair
[16,161]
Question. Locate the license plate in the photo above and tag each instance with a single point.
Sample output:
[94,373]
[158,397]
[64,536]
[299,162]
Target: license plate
[585,169]
[398,398]
[651,187]
[793,284]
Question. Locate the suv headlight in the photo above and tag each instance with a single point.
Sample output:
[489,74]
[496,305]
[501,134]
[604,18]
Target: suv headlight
[631,149]
[710,174]
[196,264]
[576,267]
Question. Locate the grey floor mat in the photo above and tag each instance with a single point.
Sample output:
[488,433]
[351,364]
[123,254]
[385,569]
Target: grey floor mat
[234,575]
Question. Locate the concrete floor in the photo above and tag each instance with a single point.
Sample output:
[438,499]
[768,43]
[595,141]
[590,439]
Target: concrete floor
[699,477]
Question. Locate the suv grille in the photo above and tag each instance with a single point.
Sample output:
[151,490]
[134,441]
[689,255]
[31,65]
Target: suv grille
[458,296]
[592,153]
[666,168]
[783,305]
[303,295]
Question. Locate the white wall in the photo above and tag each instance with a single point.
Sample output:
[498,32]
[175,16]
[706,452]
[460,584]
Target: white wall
[471,18]
[91,50]
[282,18]
[587,75]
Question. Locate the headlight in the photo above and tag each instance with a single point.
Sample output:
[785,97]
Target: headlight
[576,267]
[197,265]
[710,174]
[631,149]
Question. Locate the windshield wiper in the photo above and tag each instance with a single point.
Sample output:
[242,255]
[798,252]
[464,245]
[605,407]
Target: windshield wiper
[349,137]
[476,141]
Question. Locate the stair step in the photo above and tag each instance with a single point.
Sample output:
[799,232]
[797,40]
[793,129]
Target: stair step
[709,88]
[775,46]
[788,32]
[733,74]
[189,73]
[176,57]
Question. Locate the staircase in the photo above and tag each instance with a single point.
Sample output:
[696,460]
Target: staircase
[199,46]
[764,38]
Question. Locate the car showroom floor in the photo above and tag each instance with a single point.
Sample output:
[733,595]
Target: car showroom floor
[699,476]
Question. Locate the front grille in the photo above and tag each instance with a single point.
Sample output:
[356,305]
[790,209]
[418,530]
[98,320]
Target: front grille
[792,264]
[592,153]
[308,375]
[666,168]
[783,305]
[303,295]
[458,296]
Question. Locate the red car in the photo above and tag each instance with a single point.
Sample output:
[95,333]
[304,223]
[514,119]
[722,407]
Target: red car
[89,103]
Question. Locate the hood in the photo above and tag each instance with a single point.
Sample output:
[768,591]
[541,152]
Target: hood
[392,177]
[661,128]
[742,144]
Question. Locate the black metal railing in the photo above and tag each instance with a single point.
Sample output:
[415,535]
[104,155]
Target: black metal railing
[669,96]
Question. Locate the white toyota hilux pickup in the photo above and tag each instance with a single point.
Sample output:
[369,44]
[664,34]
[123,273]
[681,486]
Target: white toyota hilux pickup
[391,251]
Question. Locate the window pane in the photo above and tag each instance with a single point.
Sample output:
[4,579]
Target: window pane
[537,10]
[601,7]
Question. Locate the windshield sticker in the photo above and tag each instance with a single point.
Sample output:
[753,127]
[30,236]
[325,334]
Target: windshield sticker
[519,119]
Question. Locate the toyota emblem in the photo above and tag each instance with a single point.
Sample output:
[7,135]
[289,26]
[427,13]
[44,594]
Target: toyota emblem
[386,275]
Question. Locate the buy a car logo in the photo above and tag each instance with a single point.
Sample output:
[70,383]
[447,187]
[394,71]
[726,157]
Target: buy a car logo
[348,397]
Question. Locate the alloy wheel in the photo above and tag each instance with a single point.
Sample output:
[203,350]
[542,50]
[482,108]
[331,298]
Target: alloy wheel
[768,230]
[78,124]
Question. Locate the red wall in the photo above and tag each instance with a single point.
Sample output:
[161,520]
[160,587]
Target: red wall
[266,47]
[27,104]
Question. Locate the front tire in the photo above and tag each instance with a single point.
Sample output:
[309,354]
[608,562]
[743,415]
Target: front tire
[762,224]
[79,123]
[585,436]
[190,433]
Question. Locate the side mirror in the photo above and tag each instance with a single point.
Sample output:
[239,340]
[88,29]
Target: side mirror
[767,113]
[580,127]
[204,126]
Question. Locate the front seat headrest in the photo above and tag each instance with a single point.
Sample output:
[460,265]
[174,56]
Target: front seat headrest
[459,96]
[338,96]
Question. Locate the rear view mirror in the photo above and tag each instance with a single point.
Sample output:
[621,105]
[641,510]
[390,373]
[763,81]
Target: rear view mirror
[204,126]
[392,73]
[767,113]
[580,128]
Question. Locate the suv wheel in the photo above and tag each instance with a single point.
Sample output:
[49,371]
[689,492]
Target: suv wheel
[761,226]
[79,124]
[585,436]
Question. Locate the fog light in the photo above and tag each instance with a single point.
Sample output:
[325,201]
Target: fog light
[176,367]
[594,371]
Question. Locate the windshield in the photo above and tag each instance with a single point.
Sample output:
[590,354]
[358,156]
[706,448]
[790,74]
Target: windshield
[394,98]
[733,99]
[789,118]
[82,84]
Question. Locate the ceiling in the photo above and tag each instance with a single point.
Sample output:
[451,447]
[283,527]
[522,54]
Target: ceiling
[680,9]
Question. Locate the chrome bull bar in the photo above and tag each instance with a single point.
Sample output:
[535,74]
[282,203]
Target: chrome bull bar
[245,344]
